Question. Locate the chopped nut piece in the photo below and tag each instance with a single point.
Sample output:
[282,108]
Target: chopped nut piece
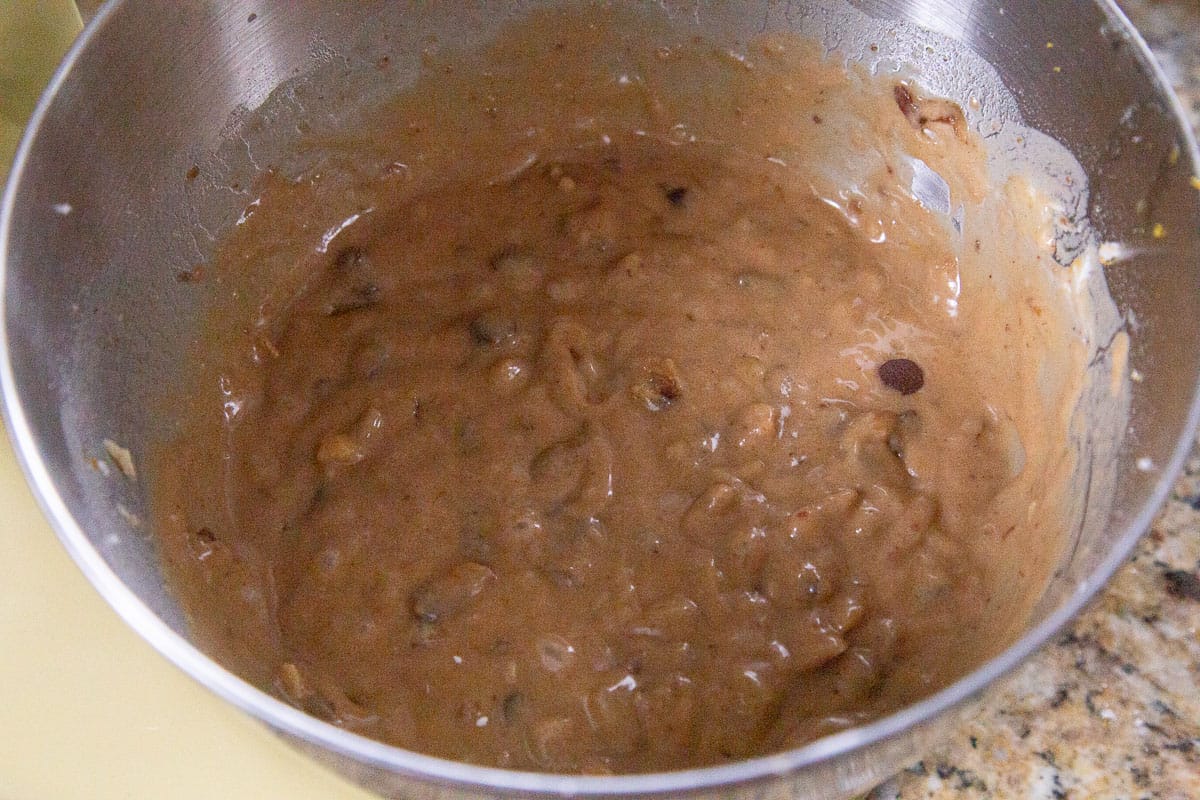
[338,448]
[131,519]
[451,591]
[291,682]
[922,112]
[122,458]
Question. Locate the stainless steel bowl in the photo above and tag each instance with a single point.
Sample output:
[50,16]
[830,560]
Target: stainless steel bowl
[100,217]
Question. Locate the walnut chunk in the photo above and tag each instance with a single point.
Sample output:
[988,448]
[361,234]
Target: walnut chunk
[445,594]
[338,448]
[923,112]
[122,458]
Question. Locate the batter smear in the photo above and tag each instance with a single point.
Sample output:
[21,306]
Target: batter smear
[627,412]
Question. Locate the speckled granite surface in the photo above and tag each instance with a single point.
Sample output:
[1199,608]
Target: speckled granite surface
[1110,709]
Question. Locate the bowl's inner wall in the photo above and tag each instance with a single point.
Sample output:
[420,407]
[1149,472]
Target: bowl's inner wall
[105,217]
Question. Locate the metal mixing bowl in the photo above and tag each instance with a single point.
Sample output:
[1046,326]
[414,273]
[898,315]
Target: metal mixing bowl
[100,218]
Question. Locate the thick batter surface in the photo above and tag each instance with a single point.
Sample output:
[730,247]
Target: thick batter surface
[617,432]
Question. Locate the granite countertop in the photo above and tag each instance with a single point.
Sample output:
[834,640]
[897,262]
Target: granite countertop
[1111,708]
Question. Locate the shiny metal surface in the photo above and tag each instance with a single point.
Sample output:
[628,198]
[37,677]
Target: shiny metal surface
[100,217]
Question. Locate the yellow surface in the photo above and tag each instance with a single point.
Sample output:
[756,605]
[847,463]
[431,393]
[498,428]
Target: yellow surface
[10,137]
[33,36]
[88,711]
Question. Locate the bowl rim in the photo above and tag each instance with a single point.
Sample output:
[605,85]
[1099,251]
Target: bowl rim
[283,717]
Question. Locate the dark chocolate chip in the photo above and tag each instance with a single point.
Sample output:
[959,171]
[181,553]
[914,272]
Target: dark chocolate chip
[491,328]
[350,258]
[511,707]
[353,298]
[475,545]
[676,195]
[902,375]
[667,388]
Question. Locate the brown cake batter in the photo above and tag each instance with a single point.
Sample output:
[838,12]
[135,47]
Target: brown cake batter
[624,412]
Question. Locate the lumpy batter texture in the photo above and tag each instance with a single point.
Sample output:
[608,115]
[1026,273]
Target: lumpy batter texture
[617,431]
